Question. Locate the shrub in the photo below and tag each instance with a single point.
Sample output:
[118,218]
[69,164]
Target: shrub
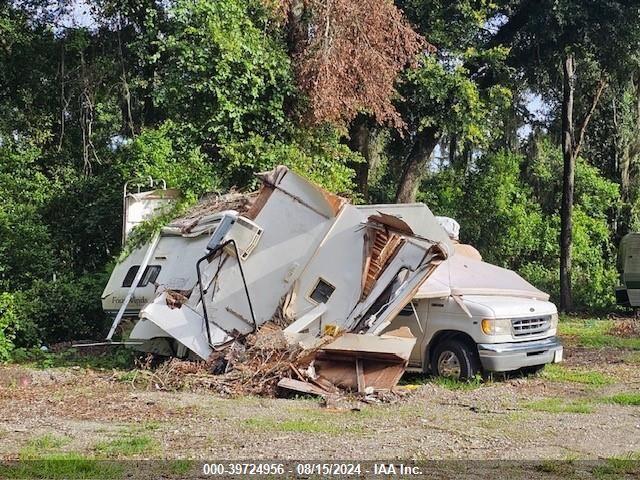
[508,207]
[8,323]
[62,310]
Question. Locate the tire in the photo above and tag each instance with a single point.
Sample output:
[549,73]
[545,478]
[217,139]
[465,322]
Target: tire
[455,359]
[532,370]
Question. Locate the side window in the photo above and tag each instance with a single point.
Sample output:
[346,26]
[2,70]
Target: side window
[150,275]
[322,291]
[131,274]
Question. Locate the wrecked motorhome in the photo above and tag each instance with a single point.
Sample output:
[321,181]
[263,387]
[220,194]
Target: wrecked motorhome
[293,255]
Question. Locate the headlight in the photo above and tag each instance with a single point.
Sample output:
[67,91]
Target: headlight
[496,326]
[554,321]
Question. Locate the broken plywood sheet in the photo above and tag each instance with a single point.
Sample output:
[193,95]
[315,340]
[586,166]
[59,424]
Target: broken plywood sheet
[302,387]
[392,346]
[359,362]
[392,223]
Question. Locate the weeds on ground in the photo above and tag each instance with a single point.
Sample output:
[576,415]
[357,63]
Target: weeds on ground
[126,445]
[559,373]
[300,425]
[41,458]
[307,420]
[448,383]
[627,398]
[594,333]
[48,442]
[67,465]
[615,467]
[559,405]
[562,468]
[119,358]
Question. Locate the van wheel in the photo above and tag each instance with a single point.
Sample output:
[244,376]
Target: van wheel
[456,360]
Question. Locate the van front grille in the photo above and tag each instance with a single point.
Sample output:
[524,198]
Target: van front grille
[530,326]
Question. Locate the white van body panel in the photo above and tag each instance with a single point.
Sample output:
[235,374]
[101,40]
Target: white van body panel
[439,315]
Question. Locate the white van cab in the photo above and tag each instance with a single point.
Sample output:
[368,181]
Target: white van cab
[471,316]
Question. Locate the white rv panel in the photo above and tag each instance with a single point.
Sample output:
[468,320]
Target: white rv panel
[292,236]
[339,262]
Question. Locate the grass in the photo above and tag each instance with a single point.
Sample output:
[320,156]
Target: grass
[414,379]
[41,458]
[181,467]
[627,398]
[119,358]
[126,446]
[559,373]
[48,442]
[559,405]
[313,420]
[452,384]
[594,333]
[67,465]
[296,426]
[615,467]
[562,468]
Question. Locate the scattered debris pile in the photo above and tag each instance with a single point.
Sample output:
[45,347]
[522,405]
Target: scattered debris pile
[267,363]
[625,327]
[211,205]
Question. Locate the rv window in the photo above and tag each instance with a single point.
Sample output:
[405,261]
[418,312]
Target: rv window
[322,292]
[131,274]
[149,276]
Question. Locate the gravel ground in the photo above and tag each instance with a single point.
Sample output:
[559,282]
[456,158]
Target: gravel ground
[517,418]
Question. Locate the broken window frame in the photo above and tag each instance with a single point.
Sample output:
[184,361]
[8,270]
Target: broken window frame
[315,287]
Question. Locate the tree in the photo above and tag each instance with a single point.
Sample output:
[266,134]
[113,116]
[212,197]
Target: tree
[348,56]
[567,37]
[467,85]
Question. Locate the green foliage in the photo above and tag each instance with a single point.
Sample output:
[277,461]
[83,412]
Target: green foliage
[626,398]
[595,333]
[60,465]
[316,154]
[438,95]
[127,445]
[112,357]
[508,207]
[560,373]
[222,75]
[67,308]
[8,325]
[165,153]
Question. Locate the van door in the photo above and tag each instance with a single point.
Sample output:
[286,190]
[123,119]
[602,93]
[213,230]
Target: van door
[407,318]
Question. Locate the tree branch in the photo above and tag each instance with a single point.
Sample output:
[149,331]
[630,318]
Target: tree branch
[577,145]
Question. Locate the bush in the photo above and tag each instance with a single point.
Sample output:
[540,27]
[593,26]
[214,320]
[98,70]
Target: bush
[8,324]
[62,310]
[508,207]
[316,154]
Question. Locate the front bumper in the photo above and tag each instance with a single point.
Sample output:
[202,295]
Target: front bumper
[504,357]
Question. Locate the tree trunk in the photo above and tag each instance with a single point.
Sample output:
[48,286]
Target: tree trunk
[359,142]
[297,29]
[568,181]
[416,164]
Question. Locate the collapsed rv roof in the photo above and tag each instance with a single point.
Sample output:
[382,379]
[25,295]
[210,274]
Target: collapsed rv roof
[461,275]
[203,216]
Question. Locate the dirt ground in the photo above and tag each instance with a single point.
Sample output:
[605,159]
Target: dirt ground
[565,413]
